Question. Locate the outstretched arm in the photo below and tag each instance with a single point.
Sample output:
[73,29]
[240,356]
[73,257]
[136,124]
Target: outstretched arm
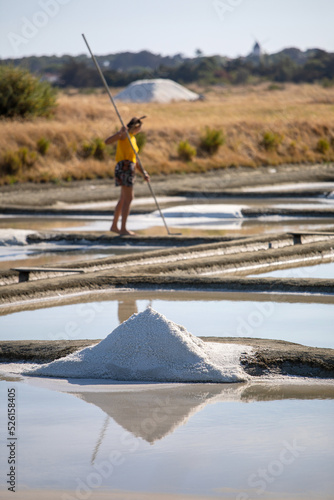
[143,173]
[121,134]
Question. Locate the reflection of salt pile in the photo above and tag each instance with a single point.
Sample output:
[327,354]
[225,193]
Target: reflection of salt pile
[148,347]
[151,413]
[156,90]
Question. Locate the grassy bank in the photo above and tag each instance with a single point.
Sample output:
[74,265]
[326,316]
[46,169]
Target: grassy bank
[262,125]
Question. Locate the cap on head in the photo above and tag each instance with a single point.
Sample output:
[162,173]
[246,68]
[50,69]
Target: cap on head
[135,122]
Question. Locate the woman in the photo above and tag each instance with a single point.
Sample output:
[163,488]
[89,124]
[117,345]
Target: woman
[125,170]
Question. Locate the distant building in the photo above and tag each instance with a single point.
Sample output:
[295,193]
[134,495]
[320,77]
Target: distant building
[51,78]
[256,54]
[257,51]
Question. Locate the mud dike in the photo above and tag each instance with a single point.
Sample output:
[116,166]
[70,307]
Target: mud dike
[221,265]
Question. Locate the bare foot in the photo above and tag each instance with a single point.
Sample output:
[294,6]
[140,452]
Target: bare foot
[115,230]
[127,233]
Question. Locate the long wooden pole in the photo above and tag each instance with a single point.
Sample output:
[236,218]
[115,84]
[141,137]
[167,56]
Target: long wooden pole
[127,133]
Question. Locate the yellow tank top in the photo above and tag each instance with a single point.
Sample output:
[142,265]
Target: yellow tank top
[124,150]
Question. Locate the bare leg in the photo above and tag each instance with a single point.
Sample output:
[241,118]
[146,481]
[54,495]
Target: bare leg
[126,197]
[117,213]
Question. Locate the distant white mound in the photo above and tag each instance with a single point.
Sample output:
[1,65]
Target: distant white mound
[158,90]
[149,347]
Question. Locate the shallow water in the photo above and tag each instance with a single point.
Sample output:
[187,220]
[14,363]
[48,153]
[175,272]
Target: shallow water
[233,441]
[322,271]
[182,213]
[147,222]
[55,254]
[218,315]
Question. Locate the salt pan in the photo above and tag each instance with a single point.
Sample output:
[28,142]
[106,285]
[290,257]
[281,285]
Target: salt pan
[149,347]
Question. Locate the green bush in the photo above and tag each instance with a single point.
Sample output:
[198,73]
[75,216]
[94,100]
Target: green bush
[292,148]
[141,140]
[327,83]
[13,162]
[43,146]
[275,86]
[185,151]
[22,94]
[88,149]
[100,147]
[270,141]
[111,149]
[94,149]
[28,158]
[323,145]
[67,150]
[211,140]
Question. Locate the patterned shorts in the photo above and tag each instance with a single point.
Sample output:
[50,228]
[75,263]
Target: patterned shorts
[125,173]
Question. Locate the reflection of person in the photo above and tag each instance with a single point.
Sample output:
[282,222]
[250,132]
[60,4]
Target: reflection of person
[125,171]
[126,308]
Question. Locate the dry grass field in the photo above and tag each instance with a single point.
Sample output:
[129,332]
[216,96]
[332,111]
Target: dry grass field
[262,125]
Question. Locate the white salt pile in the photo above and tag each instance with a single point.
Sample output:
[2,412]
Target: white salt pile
[10,237]
[205,211]
[149,347]
[156,90]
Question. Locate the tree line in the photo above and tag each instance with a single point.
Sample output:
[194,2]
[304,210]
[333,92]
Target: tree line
[288,66]
[210,70]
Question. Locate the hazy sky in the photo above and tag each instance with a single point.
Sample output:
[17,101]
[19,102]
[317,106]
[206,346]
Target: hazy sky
[226,27]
